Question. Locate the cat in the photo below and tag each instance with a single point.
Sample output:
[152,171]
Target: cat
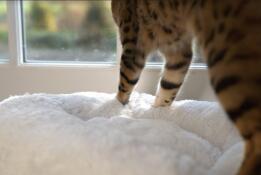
[228,33]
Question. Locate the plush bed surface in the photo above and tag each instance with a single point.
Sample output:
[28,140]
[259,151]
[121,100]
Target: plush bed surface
[92,133]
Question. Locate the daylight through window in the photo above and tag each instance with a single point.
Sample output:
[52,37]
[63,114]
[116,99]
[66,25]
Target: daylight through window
[3,32]
[66,31]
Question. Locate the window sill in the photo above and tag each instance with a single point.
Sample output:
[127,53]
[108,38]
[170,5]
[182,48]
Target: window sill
[91,65]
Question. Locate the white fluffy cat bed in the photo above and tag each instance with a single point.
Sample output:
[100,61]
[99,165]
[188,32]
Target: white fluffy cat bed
[93,134]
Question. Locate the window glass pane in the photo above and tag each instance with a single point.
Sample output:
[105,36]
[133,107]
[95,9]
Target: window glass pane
[3,32]
[155,58]
[69,31]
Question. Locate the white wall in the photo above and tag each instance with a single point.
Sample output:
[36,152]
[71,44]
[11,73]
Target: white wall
[68,79]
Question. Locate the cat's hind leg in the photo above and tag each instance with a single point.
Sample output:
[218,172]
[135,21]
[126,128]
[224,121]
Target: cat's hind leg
[176,66]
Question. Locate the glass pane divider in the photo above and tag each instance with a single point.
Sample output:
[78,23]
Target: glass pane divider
[14,19]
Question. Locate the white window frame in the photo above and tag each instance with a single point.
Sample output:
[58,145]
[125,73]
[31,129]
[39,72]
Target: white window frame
[18,77]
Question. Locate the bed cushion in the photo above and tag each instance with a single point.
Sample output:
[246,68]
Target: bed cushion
[92,133]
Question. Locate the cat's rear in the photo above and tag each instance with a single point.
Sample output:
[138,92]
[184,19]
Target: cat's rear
[227,31]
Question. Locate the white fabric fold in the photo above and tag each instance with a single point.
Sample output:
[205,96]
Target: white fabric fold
[92,133]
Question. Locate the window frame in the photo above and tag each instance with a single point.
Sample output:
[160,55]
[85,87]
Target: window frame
[20,77]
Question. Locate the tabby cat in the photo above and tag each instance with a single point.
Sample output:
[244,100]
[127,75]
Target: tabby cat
[229,34]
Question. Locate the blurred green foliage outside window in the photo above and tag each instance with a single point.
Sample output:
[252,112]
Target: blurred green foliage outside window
[3,32]
[69,31]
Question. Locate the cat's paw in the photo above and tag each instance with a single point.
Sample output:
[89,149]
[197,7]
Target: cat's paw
[123,98]
[161,102]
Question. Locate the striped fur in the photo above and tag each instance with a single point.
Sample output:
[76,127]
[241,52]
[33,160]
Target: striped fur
[227,31]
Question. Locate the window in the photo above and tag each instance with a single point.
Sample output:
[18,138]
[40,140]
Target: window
[72,31]
[57,32]
[3,32]
[78,31]
[155,58]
